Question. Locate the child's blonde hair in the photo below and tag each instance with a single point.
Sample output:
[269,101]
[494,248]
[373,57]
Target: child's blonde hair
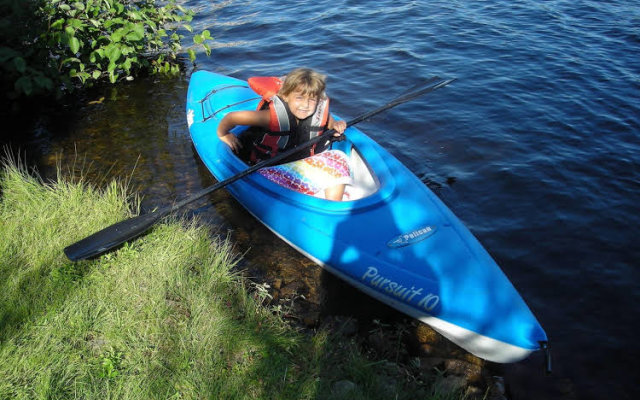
[311,83]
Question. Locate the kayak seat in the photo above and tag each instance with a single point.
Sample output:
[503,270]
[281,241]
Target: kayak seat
[364,182]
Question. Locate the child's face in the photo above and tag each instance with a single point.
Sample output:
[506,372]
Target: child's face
[301,105]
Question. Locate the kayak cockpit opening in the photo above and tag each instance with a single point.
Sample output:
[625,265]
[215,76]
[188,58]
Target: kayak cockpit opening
[363,180]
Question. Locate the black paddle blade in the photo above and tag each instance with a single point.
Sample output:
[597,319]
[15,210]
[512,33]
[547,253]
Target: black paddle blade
[112,236]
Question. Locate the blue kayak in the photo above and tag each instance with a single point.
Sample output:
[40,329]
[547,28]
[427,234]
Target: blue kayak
[394,239]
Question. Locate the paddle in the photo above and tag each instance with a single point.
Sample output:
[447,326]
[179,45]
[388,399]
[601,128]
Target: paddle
[114,235]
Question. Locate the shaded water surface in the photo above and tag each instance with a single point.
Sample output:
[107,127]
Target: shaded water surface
[535,147]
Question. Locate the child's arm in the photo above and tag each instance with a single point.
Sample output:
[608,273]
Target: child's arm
[233,119]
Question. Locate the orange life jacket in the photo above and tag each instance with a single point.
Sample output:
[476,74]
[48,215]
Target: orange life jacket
[285,132]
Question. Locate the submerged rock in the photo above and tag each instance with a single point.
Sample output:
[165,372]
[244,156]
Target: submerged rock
[343,387]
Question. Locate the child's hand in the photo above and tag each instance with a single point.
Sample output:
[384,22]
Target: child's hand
[232,141]
[339,127]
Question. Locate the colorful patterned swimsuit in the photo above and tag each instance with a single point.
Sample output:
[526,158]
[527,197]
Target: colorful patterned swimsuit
[313,174]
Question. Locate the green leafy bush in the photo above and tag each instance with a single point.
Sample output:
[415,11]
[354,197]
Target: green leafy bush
[23,65]
[62,44]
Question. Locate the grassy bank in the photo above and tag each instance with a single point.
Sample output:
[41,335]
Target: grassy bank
[162,317]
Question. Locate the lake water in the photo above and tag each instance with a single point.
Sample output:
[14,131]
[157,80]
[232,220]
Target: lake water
[535,146]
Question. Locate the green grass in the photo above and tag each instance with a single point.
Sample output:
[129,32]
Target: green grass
[163,317]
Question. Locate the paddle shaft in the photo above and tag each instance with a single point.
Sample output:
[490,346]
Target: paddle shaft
[116,234]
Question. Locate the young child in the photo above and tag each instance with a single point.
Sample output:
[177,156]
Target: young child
[298,112]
